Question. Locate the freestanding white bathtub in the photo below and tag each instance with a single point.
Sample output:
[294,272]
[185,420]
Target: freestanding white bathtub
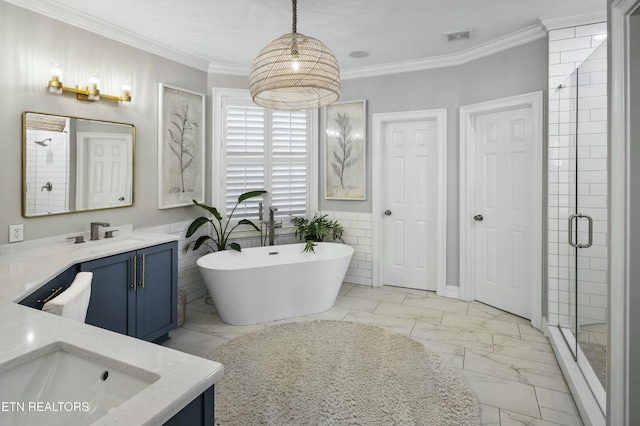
[262,284]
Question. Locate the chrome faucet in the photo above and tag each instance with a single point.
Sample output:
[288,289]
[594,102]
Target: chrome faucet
[95,226]
[272,225]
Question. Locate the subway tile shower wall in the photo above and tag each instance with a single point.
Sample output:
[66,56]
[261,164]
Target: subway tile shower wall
[358,234]
[47,163]
[569,48]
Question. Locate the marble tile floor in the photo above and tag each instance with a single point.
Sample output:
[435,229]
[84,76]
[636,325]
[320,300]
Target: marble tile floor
[509,365]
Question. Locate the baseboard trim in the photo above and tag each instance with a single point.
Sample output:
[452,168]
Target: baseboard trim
[452,291]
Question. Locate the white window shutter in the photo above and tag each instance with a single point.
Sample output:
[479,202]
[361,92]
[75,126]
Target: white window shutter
[265,149]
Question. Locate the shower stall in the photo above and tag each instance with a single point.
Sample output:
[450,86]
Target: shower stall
[577,257]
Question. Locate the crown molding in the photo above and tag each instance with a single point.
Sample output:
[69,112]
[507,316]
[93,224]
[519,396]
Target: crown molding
[106,29]
[526,35]
[228,69]
[557,22]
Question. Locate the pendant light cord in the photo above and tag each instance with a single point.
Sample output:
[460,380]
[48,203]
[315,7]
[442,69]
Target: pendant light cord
[295,15]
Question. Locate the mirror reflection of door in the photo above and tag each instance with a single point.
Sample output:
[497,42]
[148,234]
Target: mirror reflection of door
[74,164]
[103,170]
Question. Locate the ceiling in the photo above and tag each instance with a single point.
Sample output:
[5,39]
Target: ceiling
[228,34]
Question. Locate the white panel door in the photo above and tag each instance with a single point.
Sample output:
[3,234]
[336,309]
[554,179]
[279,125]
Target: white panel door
[503,219]
[410,199]
[107,172]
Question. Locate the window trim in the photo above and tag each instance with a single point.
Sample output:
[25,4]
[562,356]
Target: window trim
[218,164]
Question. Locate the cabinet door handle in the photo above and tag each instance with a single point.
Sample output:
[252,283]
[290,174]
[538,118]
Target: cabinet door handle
[142,282]
[135,278]
[54,293]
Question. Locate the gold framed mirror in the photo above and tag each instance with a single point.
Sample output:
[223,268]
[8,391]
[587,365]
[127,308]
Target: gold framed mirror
[73,164]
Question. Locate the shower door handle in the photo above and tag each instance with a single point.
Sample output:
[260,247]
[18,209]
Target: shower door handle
[573,219]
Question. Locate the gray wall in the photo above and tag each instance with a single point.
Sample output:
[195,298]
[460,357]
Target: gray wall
[29,42]
[32,41]
[513,72]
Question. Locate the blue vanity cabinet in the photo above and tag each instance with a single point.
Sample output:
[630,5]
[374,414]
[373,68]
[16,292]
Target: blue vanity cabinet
[51,289]
[199,412]
[135,293]
[112,303]
[157,292]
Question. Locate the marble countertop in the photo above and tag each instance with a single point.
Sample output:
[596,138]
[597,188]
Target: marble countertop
[183,377]
[24,271]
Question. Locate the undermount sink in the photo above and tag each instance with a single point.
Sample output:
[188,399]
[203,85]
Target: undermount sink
[62,384]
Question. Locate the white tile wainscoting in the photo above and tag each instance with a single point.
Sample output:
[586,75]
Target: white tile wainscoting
[358,234]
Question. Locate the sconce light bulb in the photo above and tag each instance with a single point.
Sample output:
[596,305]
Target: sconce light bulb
[93,93]
[55,71]
[94,79]
[125,98]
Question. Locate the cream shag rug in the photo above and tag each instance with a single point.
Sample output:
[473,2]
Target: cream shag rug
[337,373]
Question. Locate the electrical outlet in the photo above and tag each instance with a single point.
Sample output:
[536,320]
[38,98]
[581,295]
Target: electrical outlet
[16,233]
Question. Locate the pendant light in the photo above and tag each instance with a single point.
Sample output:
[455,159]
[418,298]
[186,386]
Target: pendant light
[294,72]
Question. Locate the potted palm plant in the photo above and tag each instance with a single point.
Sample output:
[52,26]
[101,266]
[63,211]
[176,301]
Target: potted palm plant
[218,240]
[314,230]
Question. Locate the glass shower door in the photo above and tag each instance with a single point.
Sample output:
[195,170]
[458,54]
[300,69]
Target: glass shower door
[577,257]
[590,234]
[565,166]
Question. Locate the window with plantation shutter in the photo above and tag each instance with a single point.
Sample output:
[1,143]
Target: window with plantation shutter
[264,149]
[289,145]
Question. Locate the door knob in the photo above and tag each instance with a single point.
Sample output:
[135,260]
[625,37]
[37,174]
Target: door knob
[478,218]
[387,212]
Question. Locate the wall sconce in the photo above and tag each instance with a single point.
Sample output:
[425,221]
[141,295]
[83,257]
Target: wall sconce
[90,92]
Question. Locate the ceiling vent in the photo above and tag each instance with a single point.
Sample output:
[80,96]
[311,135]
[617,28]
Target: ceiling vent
[459,35]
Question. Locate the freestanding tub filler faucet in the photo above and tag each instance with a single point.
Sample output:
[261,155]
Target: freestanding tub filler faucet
[272,225]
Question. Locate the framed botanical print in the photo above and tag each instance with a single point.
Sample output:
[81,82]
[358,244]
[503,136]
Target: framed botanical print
[181,136]
[345,151]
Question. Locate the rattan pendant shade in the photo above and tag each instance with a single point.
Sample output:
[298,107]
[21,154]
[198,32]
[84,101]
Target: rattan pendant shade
[294,72]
